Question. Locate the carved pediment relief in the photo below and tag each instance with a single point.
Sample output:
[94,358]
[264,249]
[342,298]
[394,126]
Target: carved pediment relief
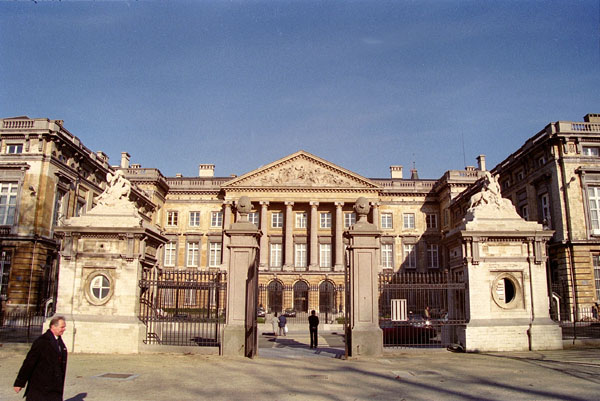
[301,170]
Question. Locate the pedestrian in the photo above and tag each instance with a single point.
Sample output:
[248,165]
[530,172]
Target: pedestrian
[282,323]
[595,310]
[275,323]
[313,325]
[44,368]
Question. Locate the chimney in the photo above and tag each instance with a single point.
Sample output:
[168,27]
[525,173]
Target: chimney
[206,170]
[413,174]
[396,171]
[592,118]
[125,157]
[481,162]
[178,175]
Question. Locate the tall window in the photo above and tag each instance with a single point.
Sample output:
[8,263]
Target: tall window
[594,200]
[410,256]
[170,254]
[545,209]
[4,274]
[253,217]
[194,219]
[300,255]
[409,220]
[386,220]
[349,219]
[276,257]
[277,220]
[432,256]
[525,212]
[80,210]
[325,255]
[193,249]
[596,260]
[301,220]
[214,254]
[216,219]
[8,202]
[172,218]
[387,260]
[13,148]
[431,220]
[59,206]
[325,220]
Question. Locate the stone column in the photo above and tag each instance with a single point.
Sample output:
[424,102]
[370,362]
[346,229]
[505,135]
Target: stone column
[339,240]
[264,239]
[242,267]
[288,263]
[366,336]
[314,239]
[376,218]
[226,223]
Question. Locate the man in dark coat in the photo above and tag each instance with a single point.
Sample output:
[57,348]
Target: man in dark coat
[313,325]
[45,366]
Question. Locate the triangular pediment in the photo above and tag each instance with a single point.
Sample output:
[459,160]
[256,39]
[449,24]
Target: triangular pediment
[301,169]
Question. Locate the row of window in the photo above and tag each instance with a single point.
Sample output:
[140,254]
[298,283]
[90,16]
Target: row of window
[300,255]
[325,219]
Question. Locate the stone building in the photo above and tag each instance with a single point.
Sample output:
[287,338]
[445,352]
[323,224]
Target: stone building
[303,205]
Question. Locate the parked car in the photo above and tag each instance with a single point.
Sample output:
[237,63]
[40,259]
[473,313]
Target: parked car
[260,312]
[409,333]
[289,313]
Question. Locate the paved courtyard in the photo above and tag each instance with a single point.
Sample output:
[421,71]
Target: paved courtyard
[286,369]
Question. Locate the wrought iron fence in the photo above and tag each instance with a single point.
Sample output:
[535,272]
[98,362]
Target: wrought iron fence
[421,309]
[182,307]
[581,324]
[20,326]
[296,301]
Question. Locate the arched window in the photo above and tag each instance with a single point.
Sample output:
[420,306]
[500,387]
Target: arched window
[301,296]
[327,297]
[275,296]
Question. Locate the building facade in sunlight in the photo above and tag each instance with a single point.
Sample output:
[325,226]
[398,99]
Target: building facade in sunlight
[302,204]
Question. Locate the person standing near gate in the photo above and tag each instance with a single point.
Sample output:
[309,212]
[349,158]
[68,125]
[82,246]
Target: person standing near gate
[313,325]
[274,323]
[44,368]
[282,323]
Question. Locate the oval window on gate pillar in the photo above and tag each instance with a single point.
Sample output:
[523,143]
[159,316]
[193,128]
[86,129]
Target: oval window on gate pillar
[99,287]
[506,291]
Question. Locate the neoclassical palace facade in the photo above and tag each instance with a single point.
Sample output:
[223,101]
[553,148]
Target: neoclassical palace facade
[302,204]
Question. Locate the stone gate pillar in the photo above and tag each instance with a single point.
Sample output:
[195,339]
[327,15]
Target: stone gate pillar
[504,260]
[102,257]
[243,266]
[366,336]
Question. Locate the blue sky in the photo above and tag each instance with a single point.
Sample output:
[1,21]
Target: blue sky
[363,84]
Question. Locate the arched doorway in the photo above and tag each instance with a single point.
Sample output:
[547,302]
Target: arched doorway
[275,296]
[301,296]
[327,299]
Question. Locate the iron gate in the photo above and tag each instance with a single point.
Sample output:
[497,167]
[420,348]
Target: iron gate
[182,307]
[421,309]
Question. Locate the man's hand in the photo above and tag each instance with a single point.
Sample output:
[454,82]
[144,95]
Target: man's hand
[17,389]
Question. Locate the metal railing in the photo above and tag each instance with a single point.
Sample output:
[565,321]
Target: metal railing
[585,326]
[20,326]
[421,309]
[183,307]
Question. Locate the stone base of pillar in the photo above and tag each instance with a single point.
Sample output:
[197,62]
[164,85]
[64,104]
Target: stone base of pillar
[288,268]
[338,268]
[367,341]
[499,335]
[94,334]
[234,340]
[263,266]
[313,268]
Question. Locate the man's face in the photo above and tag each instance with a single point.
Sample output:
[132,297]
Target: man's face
[59,329]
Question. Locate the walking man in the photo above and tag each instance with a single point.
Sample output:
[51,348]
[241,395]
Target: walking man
[44,368]
[313,325]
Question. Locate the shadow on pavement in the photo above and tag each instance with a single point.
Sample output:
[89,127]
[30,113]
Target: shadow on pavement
[78,397]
